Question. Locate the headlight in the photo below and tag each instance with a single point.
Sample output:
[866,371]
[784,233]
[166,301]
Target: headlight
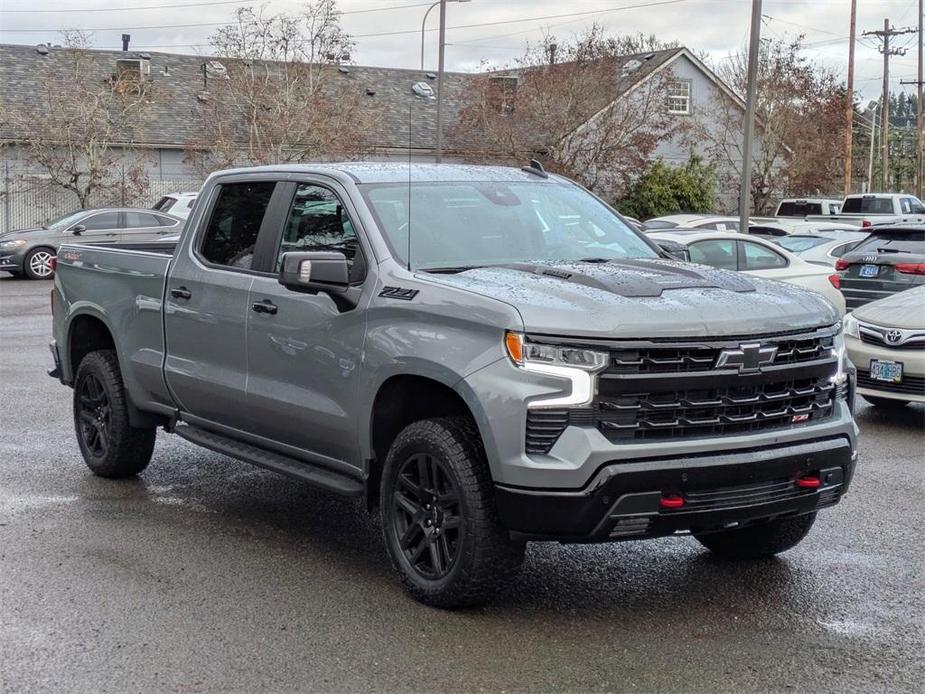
[850,326]
[12,244]
[579,366]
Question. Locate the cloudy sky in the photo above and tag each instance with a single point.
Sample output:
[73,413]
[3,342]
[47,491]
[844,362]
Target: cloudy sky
[388,31]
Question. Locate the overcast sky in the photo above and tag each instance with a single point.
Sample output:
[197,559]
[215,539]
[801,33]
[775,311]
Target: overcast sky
[390,34]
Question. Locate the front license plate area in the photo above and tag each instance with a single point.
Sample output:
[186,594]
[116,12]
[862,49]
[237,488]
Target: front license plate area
[886,371]
[869,270]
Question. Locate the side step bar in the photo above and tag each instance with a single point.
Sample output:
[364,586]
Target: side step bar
[271,461]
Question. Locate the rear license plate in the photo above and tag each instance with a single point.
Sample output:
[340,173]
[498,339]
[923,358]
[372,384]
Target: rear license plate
[886,371]
[869,270]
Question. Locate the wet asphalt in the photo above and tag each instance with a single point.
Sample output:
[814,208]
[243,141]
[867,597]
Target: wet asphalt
[206,574]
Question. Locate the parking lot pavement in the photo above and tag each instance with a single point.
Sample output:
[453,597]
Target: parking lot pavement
[206,574]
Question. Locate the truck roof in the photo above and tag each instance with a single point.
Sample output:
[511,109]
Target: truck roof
[402,172]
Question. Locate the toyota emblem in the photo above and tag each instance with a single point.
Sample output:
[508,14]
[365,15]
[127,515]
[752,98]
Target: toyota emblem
[894,336]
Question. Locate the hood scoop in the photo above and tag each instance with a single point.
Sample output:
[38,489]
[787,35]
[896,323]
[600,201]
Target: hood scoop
[638,278]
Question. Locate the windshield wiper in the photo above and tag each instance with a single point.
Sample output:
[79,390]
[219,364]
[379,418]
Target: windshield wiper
[891,250]
[592,260]
[451,270]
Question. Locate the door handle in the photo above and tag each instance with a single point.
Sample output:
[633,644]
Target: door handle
[181,293]
[265,306]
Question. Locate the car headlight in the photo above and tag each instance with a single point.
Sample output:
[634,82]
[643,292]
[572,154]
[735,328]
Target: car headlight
[9,245]
[850,326]
[577,365]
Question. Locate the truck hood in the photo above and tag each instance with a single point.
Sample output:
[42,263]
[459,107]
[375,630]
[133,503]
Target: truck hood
[644,298]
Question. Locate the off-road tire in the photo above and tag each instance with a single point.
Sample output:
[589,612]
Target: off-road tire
[758,540]
[885,403]
[28,260]
[127,450]
[486,559]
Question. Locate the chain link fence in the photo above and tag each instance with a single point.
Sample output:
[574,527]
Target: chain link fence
[28,199]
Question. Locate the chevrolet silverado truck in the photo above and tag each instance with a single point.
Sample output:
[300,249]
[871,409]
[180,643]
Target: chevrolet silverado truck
[874,209]
[488,356]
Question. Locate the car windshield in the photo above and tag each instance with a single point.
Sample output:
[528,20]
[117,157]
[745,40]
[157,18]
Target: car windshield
[65,221]
[798,244]
[460,225]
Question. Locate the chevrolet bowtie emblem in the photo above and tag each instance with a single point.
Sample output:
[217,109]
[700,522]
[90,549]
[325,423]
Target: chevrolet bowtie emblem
[747,358]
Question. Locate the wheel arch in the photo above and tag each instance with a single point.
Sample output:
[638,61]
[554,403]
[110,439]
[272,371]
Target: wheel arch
[400,400]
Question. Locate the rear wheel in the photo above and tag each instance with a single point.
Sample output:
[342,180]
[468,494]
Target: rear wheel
[438,516]
[885,403]
[37,264]
[759,540]
[111,446]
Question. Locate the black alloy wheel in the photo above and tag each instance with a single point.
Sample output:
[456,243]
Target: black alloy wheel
[426,519]
[94,414]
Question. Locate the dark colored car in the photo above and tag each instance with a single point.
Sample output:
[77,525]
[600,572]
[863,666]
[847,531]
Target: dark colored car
[890,260]
[30,252]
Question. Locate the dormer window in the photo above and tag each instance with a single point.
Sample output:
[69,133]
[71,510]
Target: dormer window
[679,98]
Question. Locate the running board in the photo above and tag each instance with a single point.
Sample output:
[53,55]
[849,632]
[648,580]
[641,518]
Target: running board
[271,461]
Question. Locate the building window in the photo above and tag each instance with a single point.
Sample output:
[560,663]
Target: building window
[679,98]
[502,91]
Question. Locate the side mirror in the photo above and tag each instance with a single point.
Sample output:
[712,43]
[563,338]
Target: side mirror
[78,230]
[315,271]
[676,251]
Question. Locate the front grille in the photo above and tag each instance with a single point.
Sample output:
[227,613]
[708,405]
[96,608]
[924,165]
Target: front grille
[911,385]
[714,411]
[878,340]
[653,391]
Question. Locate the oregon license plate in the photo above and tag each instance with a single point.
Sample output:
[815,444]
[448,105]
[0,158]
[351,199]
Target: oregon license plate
[886,371]
[869,270]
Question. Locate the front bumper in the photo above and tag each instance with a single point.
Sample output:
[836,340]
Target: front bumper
[623,500]
[11,262]
[913,361]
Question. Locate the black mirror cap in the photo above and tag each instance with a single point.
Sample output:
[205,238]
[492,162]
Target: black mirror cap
[678,251]
[79,229]
[326,271]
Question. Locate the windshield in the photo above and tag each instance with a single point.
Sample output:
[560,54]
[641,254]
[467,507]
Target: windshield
[894,242]
[473,224]
[65,221]
[164,204]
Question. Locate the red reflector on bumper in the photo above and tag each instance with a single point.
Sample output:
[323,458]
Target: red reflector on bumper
[671,501]
[809,482]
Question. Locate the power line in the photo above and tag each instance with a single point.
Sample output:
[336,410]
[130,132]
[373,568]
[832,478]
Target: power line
[133,8]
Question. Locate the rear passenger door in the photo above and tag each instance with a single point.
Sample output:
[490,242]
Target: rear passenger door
[206,304]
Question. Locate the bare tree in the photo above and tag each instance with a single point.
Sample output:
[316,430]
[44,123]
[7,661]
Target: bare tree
[280,96]
[78,131]
[799,112]
[579,105]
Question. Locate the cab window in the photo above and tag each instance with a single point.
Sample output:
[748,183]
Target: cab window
[231,235]
[98,222]
[758,257]
[718,253]
[318,222]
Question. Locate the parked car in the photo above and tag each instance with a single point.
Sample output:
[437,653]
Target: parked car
[821,249]
[177,204]
[890,260]
[487,355]
[886,342]
[30,252]
[692,221]
[754,256]
[875,209]
[764,226]
[801,207]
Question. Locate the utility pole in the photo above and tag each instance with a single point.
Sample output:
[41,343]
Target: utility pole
[919,118]
[849,99]
[885,35]
[439,152]
[746,182]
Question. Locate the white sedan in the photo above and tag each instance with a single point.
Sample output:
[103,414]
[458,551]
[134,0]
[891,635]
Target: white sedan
[754,256]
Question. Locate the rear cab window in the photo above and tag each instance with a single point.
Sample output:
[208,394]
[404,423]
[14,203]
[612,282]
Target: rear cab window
[798,208]
[868,205]
[230,238]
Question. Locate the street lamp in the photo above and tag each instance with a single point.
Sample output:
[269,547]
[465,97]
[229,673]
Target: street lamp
[424,24]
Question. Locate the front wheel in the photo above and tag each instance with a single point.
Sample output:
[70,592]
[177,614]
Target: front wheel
[439,521]
[762,539]
[111,446]
[37,265]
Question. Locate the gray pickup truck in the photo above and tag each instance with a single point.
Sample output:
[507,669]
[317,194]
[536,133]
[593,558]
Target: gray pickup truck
[486,355]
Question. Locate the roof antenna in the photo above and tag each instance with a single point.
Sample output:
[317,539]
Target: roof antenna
[535,168]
